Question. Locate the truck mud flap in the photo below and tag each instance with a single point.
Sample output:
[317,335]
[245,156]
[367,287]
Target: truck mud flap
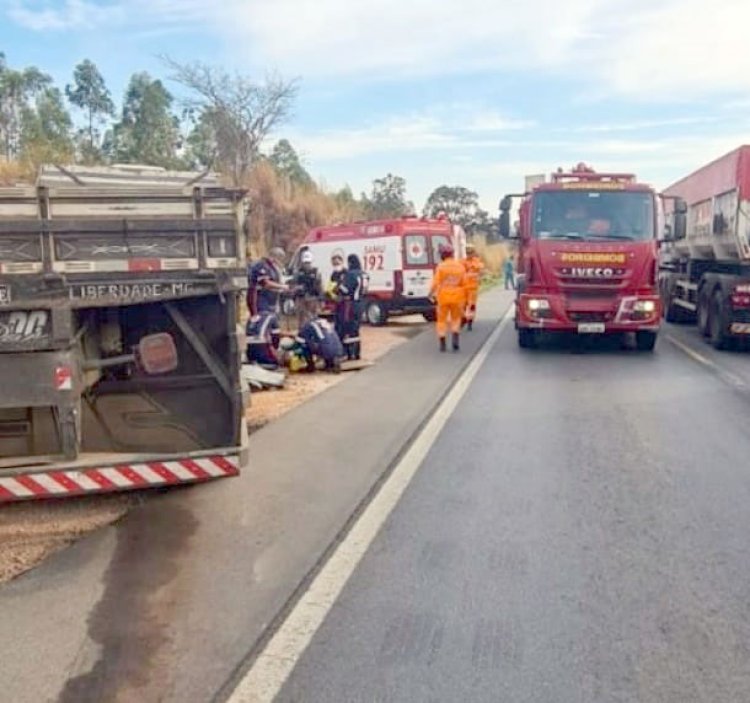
[112,478]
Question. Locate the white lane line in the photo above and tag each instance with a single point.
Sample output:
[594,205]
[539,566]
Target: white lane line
[275,663]
[728,376]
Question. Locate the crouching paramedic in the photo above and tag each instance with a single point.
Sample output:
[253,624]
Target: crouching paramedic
[318,339]
[449,289]
[474,268]
[263,336]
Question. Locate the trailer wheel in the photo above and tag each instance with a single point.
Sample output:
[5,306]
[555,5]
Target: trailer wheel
[673,312]
[376,313]
[645,341]
[717,324]
[527,339]
[703,313]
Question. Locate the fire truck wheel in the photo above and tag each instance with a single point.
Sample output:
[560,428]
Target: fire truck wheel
[527,339]
[376,313]
[645,341]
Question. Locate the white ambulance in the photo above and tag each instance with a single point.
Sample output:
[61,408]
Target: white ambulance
[398,256]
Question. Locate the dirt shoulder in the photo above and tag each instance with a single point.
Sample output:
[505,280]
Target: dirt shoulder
[30,532]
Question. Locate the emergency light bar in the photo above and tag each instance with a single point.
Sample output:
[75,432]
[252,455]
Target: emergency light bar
[581,172]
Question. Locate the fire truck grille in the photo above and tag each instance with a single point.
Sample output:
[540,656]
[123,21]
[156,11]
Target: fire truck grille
[590,316]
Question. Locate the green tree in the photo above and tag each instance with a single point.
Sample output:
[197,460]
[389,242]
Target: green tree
[147,132]
[287,163]
[46,129]
[17,90]
[388,198]
[461,205]
[89,93]
[201,141]
[238,113]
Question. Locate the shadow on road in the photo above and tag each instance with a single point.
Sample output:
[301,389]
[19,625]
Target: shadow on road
[563,343]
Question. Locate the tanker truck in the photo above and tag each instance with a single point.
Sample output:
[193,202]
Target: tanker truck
[120,351]
[704,276]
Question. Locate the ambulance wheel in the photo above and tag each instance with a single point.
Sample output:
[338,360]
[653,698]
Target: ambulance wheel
[376,313]
[645,341]
[527,339]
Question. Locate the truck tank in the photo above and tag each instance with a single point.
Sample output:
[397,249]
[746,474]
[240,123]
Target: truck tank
[718,218]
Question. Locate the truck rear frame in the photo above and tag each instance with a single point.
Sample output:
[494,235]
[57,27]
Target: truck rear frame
[100,285]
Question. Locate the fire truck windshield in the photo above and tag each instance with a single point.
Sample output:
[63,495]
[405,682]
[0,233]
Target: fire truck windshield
[593,215]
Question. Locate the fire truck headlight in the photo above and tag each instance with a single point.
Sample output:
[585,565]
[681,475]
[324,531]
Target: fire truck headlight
[647,306]
[538,304]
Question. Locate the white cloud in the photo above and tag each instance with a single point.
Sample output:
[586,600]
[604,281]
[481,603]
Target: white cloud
[672,49]
[88,14]
[641,125]
[73,14]
[490,121]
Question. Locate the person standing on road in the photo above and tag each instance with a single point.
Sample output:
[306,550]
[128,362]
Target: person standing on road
[351,290]
[449,289]
[334,290]
[474,268]
[509,273]
[265,283]
[308,289]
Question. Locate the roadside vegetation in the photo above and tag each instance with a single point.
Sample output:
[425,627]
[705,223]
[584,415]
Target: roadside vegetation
[199,117]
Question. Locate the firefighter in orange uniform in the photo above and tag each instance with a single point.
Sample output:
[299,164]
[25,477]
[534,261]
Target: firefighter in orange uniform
[474,268]
[449,289]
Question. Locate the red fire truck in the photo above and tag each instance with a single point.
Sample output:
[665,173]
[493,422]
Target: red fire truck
[398,255]
[588,257]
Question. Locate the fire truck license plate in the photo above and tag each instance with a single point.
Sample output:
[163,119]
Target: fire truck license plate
[591,328]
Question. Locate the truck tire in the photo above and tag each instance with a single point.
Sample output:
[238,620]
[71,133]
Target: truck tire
[376,313]
[527,339]
[645,341]
[703,314]
[674,313]
[717,322]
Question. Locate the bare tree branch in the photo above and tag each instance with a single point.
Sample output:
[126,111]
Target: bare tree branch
[239,112]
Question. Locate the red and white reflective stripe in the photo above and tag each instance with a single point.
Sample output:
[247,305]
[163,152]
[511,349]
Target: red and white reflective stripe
[120,477]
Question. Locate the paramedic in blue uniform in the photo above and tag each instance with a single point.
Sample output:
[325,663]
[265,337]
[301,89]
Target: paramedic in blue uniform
[265,283]
[318,339]
[351,289]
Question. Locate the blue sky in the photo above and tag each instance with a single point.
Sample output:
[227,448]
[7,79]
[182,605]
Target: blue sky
[476,93]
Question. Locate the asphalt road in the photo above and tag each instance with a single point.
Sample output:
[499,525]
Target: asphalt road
[577,534]
[170,603]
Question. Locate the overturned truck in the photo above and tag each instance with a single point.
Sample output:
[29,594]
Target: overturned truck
[120,348]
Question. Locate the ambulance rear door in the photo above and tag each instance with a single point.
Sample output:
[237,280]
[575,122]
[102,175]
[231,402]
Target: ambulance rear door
[417,276]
